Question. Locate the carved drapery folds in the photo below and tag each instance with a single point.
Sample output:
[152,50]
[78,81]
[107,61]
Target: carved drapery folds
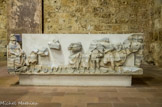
[16,57]
[75,55]
[102,57]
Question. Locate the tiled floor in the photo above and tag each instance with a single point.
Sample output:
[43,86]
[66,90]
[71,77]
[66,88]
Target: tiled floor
[146,91]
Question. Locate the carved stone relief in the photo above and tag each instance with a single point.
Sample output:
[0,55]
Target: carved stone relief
[55,45]
[16,57]
[43,52]
[102,57]
[33,58]
[75,55]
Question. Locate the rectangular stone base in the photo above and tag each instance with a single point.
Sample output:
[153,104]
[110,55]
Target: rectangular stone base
[61,80]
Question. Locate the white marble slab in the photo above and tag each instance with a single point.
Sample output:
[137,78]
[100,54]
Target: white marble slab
[75,80]
[57,58]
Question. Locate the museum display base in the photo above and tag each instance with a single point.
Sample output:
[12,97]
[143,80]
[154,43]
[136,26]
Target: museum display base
[72,80]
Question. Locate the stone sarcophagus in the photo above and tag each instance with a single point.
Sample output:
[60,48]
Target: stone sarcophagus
[76,59]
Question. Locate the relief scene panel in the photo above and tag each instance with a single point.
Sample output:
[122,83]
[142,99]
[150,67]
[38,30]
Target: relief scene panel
[114,54]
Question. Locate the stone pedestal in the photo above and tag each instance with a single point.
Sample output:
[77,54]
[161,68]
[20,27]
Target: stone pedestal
[75,80]
[76,59]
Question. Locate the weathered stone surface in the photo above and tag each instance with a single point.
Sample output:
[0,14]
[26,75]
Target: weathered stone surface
[62,80]
[16,56]
[3,28]
[153,40]
[99,54]
[25,16]
[55,44]
[97,16]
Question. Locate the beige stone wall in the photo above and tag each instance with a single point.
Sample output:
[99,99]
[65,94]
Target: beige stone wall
[153,41]
[25,16]
[97,16]
[3,28]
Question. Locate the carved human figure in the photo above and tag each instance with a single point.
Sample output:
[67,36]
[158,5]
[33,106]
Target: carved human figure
[137,48]
[134,45]
[33,58]
[120,55]
[108,55]
[15,53]
[86,60]
[75,55]
[23,59]
[97,52]
[127,45]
